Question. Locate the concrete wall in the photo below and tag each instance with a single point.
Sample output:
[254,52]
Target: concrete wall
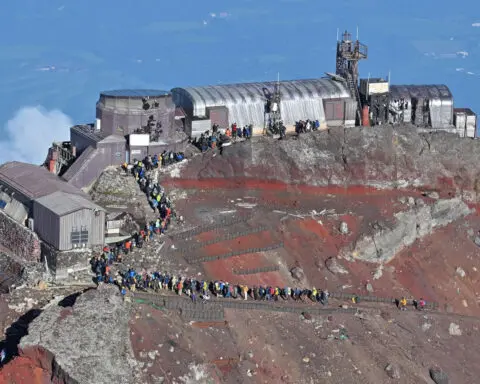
[62,264]
[19,239]
[122,116]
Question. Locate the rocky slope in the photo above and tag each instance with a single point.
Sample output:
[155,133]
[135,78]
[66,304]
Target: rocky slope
[86,343]
[383,157]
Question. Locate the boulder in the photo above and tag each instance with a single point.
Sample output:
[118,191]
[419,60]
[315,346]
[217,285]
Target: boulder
[73,340]
[343,228]
[460,272]
[409,226]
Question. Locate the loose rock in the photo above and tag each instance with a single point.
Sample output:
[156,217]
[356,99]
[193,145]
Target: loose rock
[477,240]
[343,228]
[393,371]
[334,266]
[454,330]
[297,273]
[306,316]
[426,327]
[460,272]
[439,376]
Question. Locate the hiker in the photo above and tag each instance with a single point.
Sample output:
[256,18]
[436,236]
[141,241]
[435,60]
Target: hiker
[286,293]
[313,294]
[245,292]
[402,304]
[420,304]
[324,297]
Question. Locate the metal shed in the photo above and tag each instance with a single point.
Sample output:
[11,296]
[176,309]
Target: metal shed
[301,99]
[69,221]
[440,103]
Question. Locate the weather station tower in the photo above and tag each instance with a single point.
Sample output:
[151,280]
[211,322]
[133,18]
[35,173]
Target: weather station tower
[349,53]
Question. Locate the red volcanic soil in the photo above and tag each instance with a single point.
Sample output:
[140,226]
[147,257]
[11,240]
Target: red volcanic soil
[24,370]
[223,269]
[427,269]
[279,342]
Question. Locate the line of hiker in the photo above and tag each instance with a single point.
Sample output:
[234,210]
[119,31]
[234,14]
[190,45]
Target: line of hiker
[218,137]
[203,290]
[156,161]
[131,280]
[157,198]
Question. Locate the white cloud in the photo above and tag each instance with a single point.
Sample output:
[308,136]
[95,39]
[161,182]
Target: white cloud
[30,133]
[476,25]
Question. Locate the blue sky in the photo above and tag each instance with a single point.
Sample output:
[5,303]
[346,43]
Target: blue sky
[61,54]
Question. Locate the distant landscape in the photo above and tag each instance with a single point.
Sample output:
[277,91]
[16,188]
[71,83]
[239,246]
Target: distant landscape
[59,56]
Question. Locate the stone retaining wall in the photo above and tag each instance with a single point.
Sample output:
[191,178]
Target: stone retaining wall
[19,239]
[62,264]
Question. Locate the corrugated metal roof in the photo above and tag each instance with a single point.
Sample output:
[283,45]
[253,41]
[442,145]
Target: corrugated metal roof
[434,91]
[137,93]
[301,99]
[228,94]
[34,181]
[62,203]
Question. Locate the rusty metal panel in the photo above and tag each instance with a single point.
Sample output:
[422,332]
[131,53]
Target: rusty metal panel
[334,110]
[219,116]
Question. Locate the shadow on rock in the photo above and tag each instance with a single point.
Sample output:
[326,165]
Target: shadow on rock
[14,334]
[69,301]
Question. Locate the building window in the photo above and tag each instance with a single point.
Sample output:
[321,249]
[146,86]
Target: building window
[79,237]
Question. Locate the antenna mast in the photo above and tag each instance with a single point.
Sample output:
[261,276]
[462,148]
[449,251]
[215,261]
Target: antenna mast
[349,53]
